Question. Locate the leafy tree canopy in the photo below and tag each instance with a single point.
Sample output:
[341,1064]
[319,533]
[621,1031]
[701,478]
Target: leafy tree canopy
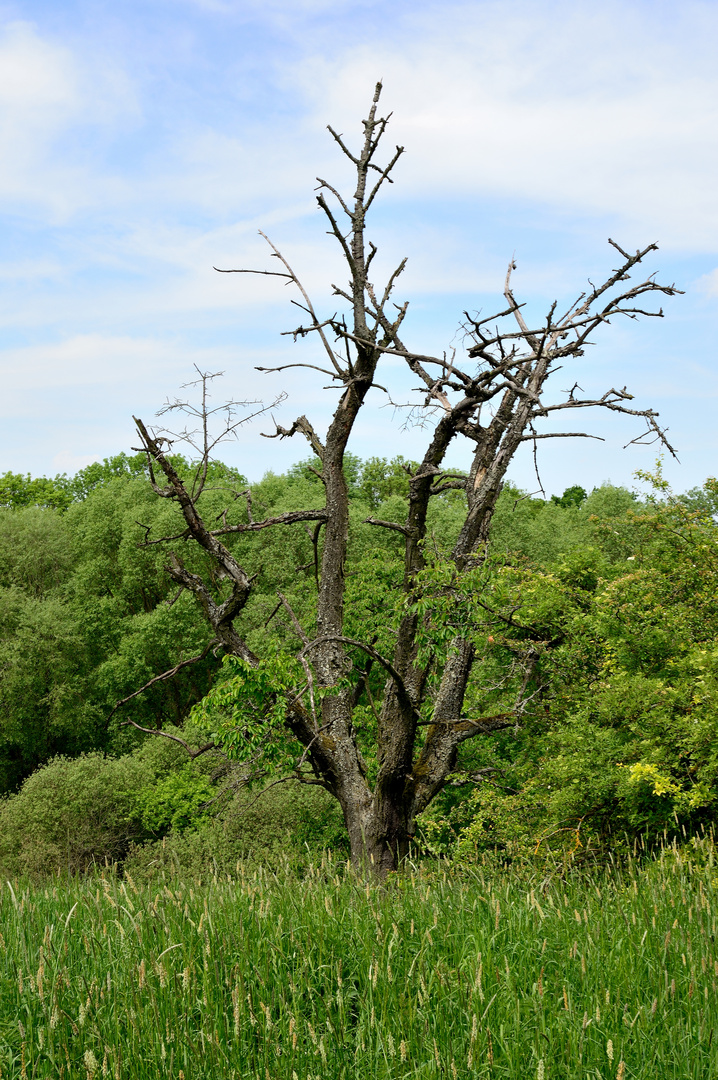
[614,594]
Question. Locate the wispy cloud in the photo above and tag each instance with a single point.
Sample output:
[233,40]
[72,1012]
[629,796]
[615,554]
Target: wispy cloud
[139,152]
[593,110]
[49,95]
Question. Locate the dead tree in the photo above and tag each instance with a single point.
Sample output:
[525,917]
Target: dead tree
[495,400]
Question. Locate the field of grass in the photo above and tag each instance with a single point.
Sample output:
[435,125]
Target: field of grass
[437,974]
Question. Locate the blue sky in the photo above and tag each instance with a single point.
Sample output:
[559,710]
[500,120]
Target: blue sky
[143,143]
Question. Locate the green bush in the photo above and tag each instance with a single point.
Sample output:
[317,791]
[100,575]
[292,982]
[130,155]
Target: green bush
[287,824]
[177,801]
[152,810]
[72,814]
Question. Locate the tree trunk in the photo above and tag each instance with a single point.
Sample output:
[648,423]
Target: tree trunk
[379,835]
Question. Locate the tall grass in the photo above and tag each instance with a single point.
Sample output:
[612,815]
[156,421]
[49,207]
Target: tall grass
[437,974]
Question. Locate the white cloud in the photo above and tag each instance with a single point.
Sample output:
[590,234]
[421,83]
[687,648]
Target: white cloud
[110,370]
[39,96]
[287,11]
[80,361]
[47,91]
[67,462]
[37,79]
[31,270]
[604,111]
[708,284]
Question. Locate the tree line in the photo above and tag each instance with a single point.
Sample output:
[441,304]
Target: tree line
[614,594]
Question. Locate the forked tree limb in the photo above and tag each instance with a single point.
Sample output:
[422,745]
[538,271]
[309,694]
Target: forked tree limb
[193,753]
[375,655]
[302,425]
[164,676]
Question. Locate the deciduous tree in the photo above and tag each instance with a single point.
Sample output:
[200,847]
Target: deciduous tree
[493,398]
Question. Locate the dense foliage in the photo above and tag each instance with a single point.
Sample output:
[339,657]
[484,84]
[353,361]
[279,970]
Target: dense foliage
[622,736]
[612,596]
[85,619]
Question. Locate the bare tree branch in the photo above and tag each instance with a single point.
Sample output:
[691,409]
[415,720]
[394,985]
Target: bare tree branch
[302,425]
[173,738]
[561,435]
[164,676]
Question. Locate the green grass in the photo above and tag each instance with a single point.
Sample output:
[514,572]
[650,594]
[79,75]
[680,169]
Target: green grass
[438,974]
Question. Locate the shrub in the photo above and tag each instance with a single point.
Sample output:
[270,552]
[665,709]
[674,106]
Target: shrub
[177,801]
[286,824]
[71,814]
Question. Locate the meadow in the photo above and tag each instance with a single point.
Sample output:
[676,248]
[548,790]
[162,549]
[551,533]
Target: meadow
[441,972]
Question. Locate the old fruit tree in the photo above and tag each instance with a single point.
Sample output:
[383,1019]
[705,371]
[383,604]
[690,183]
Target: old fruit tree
[376,712]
